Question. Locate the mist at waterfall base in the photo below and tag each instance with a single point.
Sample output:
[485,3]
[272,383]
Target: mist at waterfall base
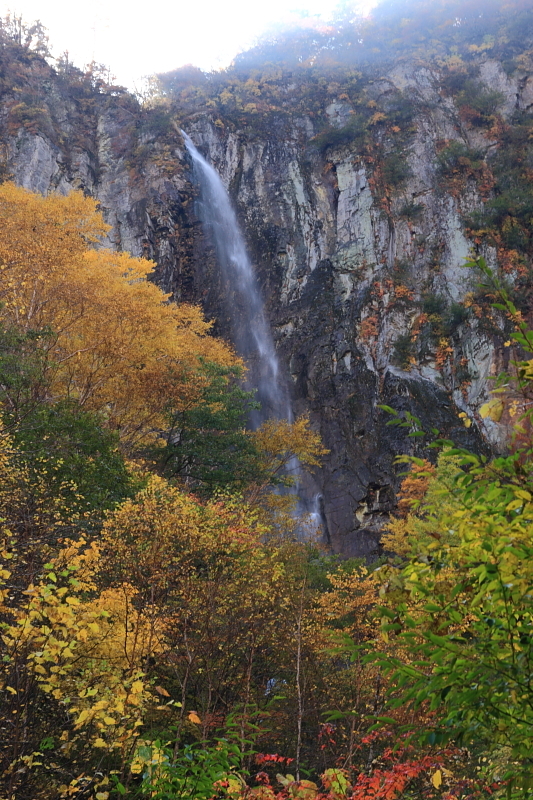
[250,330]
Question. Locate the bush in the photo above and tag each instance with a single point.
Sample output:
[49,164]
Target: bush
[412,210]
[457,157]
[433,305]
[354,130]
[396,170]
[455,316]
[74,454]
[403,351]
[477,98]
[399,109]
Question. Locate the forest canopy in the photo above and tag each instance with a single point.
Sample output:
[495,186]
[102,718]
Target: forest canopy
[164,634]
[159,643]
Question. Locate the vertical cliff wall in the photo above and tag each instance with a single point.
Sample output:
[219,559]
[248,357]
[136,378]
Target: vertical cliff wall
[358,218]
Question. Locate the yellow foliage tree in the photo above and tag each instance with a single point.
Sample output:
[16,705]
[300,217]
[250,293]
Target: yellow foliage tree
[61,687]
[115,344]
[203,577]
[425,489]
[280,442]
[284,448]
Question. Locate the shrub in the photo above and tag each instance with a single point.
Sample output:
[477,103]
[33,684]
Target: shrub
[354,130]
[457,157]
[403,351]
[433,305]
[455,316]
[412,210]
[481,101]
[399,109]
[396,170]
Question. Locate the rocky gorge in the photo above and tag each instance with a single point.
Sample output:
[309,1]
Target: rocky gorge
[360,192]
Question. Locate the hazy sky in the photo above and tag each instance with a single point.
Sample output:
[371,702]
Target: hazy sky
[137,37]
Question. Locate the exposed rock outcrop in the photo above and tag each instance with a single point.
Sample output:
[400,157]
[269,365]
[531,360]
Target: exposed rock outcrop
[359,253]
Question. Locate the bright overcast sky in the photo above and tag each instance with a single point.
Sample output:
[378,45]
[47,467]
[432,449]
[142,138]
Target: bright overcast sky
[135,38]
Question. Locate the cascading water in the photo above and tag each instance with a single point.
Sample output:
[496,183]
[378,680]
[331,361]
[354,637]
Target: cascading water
[251,332]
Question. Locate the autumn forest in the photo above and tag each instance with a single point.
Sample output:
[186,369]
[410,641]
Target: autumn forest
[170,626]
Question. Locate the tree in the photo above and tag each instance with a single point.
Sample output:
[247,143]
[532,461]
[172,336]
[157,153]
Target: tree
[31,37]
[105,336]
[75,455]
[71,687]
[208,447]
[463,604]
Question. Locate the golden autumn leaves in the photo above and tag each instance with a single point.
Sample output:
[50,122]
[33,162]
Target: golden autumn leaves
[171,592]
[88,605]
[115,344]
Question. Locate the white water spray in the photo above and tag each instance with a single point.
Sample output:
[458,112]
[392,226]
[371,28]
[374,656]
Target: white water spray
[251,331]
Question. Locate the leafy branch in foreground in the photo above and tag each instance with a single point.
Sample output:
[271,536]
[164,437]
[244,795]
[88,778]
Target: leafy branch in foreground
[462,605]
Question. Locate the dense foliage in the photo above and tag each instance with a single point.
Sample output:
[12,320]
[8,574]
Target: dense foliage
[163,632]
[132,611]
[155,644]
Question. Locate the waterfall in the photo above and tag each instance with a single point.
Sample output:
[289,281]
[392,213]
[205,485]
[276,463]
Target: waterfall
[251,332]
[250,328]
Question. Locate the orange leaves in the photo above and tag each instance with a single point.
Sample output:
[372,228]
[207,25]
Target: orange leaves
[380,784]
[335,781]
[444,353]
[369,328]
[403,292]
[414,486]
[383,784]
[379,116]
[349,600]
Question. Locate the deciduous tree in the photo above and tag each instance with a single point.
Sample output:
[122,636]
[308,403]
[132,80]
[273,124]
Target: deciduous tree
[113,343]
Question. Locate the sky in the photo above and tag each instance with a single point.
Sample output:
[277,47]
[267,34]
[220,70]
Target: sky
[136,38]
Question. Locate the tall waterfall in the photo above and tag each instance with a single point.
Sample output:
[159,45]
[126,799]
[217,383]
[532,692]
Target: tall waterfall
[251,332]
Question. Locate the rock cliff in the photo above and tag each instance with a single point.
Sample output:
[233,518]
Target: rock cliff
[358,218]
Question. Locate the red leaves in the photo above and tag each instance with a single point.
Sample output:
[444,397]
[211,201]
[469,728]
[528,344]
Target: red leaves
[326,735]
[389,784]
[273,758]
[389,779]
[377,734]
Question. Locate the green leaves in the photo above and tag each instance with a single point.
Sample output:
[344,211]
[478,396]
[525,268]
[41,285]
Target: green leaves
[74,455]
[193,772]
[468,627]
[467,623]
[207,444]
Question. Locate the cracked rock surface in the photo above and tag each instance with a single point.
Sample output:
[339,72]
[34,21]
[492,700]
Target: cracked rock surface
[343,270]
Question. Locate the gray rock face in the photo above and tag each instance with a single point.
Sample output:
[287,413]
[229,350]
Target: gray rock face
[344,270]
